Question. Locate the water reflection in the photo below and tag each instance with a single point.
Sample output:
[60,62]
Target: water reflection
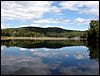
[40,43]
[94,54]
[67,58]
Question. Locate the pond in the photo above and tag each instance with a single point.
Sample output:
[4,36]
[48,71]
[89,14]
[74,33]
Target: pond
[32,57]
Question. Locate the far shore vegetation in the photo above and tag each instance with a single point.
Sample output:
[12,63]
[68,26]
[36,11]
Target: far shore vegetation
[52,33]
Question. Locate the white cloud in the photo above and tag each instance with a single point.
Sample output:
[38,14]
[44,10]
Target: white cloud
[42,21]
[69,5]
[32,25]
[24,9]
[3,25]
[86,7]
[81,21]
[55,9]
[53,26]
[66,21]
[44,25]
[41,25]
[51,20]
[34,10]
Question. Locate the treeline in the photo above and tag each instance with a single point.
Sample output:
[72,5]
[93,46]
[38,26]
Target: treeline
[41,32]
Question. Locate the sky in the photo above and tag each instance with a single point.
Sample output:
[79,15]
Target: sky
[72,15]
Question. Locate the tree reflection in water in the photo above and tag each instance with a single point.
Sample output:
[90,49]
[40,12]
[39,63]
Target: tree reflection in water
[92,47]
[93,50]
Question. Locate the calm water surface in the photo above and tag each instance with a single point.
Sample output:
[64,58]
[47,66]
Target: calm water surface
[47,58]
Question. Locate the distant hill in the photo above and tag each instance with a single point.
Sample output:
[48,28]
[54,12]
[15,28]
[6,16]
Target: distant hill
[49,29]
[40,32]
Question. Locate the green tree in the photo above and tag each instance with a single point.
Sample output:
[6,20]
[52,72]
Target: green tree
[93,32]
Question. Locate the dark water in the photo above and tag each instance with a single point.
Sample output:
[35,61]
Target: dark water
[22,57]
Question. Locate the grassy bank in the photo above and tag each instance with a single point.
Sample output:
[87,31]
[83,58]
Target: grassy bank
[39,38]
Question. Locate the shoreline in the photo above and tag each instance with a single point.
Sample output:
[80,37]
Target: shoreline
[41,38]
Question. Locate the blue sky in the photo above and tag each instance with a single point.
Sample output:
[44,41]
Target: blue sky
[73,15]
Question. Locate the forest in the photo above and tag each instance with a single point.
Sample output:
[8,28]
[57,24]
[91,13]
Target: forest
[41,32]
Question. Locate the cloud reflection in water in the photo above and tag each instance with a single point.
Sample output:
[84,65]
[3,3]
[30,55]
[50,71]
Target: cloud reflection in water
[42,61]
